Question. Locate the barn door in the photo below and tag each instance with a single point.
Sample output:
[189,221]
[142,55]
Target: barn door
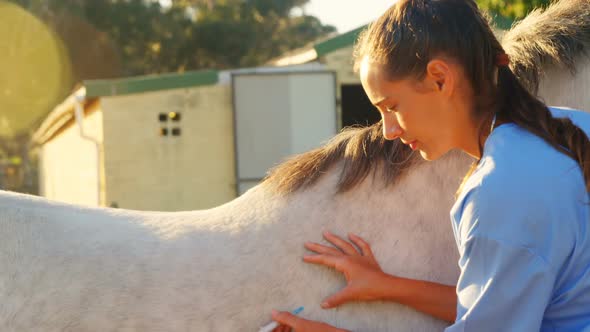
[277,115]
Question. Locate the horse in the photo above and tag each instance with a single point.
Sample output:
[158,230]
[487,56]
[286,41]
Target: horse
[74,268]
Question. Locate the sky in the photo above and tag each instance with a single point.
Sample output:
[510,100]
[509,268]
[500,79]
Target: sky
[347,15]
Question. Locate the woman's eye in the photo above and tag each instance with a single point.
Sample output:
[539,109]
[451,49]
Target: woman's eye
[391,109]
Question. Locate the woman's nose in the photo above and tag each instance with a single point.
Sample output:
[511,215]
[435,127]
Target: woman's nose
[391,129]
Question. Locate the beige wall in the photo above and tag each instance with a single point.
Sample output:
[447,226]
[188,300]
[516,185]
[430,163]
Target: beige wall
[145,171]
[69,164]
[341,61]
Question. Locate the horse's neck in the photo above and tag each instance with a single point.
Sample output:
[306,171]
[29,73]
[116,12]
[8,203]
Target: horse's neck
[407,226]
[406,223]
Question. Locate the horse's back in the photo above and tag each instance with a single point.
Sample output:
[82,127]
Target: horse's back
[73,268]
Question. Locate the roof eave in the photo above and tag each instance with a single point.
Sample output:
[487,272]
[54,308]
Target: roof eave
[59,117]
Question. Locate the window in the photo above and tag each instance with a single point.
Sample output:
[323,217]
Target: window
[167,120]
[174,116]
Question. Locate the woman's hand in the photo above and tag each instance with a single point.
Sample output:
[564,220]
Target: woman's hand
[290,322]
[363,274]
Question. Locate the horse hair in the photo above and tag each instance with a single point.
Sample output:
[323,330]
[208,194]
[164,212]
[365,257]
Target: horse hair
[554,36]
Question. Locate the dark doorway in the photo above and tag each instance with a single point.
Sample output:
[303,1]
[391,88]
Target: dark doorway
[356,107]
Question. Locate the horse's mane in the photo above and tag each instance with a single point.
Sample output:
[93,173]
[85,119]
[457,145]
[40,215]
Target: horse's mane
[358,149]
[553,36]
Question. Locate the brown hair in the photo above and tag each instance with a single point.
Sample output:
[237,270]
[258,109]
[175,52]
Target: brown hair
[412,32]
[554,36]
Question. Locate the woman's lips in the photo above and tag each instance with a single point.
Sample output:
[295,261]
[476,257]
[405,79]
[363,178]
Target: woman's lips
[413,145]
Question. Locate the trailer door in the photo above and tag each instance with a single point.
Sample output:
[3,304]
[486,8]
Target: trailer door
[277,115]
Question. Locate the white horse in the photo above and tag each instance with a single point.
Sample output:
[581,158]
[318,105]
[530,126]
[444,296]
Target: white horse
[71,268]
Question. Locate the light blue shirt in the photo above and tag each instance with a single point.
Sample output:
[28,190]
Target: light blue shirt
[521,224]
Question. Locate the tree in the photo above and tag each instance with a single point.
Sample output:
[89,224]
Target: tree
[191,34]
[512,9]
[253,32]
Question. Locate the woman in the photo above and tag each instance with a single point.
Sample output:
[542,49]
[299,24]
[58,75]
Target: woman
[441,81]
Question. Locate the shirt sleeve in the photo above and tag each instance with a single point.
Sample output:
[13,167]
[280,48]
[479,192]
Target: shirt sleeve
[502,287]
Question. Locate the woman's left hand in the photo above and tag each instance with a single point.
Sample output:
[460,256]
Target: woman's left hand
[365,281]
[290,322]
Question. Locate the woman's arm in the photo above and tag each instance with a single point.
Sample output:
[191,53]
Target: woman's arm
[291,322]
[431,298]
[434,299]
[367,282]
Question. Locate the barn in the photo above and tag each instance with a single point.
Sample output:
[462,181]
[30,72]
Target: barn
[180,141]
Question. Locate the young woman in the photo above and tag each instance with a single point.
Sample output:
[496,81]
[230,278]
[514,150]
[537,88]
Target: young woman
[441,81]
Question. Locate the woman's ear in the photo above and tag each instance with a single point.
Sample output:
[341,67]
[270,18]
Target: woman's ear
[441,76]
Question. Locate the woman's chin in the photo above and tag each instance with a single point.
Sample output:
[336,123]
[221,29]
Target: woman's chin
[429,155]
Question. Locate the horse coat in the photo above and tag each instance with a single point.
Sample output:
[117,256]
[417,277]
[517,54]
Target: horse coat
[85,269]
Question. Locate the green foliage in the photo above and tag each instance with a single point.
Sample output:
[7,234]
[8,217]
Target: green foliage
[237,34]
[191,34]
[512,9]
[199,34]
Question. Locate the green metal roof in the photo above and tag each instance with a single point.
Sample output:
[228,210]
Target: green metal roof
[349,38]
[338,42]
[131,85]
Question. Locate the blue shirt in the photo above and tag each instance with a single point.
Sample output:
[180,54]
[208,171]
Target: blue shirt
[521,224]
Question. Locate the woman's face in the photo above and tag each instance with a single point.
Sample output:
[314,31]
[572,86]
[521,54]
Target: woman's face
[420,114]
